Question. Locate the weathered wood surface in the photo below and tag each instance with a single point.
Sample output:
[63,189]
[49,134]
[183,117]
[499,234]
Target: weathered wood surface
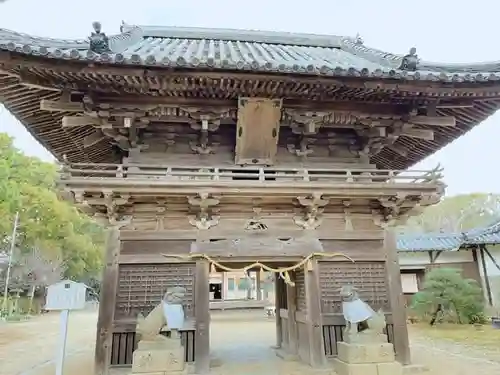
[107,307]
[257,131]
[313,318]
[396,300]
[202,318]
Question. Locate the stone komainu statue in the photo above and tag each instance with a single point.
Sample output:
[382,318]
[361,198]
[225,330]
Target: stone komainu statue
[356,312]
[169,312]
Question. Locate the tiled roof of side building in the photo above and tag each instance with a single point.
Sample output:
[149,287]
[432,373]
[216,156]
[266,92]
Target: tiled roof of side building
[247,50]
[489,235]
[429,242]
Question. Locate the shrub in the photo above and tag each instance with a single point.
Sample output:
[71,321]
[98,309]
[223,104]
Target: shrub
[447,296]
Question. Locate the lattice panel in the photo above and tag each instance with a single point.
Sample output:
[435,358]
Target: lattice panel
[142,286]
[300,287]
[368,277]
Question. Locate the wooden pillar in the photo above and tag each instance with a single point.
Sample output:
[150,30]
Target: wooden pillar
[314,323]
[291,297]
[258,285]
[487,285]
[109,285]
[396,299]
[224,286]
[277,305]
[202,317]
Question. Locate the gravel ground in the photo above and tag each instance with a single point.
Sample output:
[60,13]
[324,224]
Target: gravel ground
[240,344]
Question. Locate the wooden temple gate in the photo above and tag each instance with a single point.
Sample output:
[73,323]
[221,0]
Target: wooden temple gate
[309,321]
[199,132]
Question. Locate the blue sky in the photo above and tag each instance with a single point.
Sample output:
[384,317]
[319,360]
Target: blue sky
[440,30]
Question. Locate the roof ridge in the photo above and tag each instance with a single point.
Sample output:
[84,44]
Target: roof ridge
[242,35]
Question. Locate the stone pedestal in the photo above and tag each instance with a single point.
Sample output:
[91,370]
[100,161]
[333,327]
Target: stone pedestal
[159,357]
[366,357]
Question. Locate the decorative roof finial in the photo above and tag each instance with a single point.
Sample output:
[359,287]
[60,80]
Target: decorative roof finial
[98,41]
[410,61]
[122,26]
[358,39]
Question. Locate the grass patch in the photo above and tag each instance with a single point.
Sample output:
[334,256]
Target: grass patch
[486,337]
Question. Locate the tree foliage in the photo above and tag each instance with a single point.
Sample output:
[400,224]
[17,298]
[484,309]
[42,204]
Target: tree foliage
[446,292]
[457,214]
[47,225]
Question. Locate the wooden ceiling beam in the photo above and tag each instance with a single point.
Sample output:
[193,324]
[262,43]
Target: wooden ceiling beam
[433,120]
[78,121]
[142,102]
[60,106]
[424,134]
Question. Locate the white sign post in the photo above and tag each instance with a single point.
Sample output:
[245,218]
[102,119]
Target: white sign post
[65,296]
[62,343]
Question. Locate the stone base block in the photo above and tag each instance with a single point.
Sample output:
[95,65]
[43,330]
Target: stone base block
[365,337]
[344,368]
[158,361]
[161,344]
[365,353]
[389,368]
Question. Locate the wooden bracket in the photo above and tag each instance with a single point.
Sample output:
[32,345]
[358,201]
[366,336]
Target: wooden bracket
[204,204]
[313,208]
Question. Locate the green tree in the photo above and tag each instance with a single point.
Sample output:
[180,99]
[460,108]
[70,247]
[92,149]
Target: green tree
[457,214]
[51,226]
[447,293]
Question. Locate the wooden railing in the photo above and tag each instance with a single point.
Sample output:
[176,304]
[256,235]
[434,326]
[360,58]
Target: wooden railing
[268,174]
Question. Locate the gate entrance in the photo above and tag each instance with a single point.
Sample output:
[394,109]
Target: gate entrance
[297,319]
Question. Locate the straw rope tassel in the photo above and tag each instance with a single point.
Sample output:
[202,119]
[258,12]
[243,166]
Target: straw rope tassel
[283,272]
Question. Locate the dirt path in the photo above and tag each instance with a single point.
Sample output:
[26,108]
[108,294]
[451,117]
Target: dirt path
[240,344]
[26,347]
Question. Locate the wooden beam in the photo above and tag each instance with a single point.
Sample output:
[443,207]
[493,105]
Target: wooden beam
[323,232]
[433,120]
[278,290]
[202,318]
[425,134]
[12,60]
[109,287]
[291,297]
[314,323]
[396,299]
[85,120]
[143,102]
[60,106]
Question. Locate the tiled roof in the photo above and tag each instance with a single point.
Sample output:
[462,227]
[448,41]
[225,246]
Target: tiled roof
[243,50]
[489,235]
[429,241]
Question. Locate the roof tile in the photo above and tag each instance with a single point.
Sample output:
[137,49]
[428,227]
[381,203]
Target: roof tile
[259,51]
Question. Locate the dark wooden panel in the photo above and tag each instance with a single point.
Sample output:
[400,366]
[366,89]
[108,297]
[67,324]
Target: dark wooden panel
[368,277]
[142,286]
[124,344]
[300,287]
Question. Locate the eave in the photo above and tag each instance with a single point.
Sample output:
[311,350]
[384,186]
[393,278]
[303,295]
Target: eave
[34,68]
